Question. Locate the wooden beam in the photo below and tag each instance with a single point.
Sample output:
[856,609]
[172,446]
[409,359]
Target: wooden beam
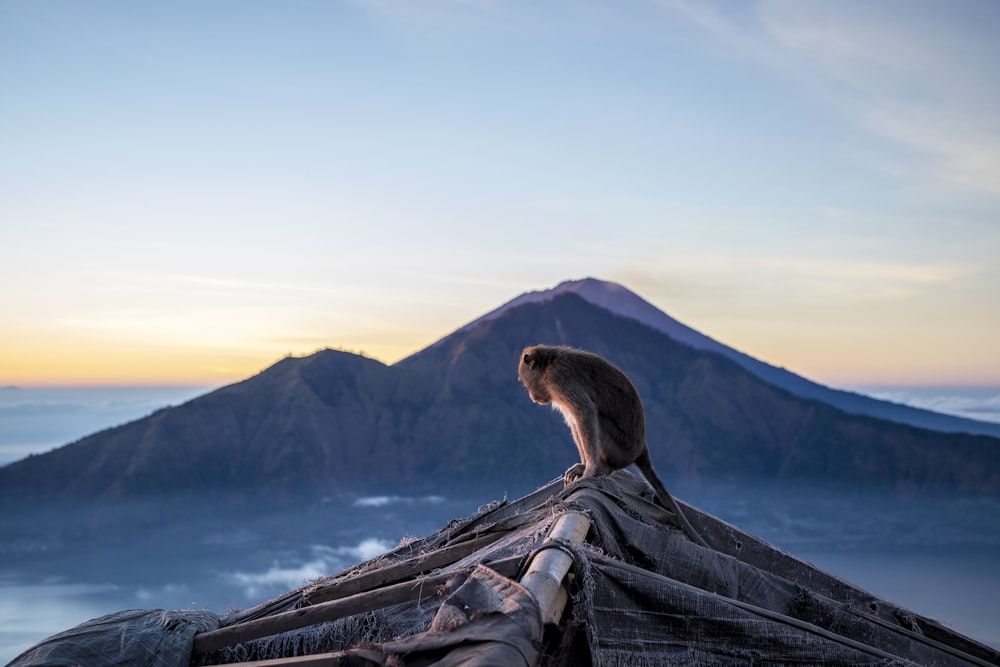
[333,610]
[400,571]
[318,660]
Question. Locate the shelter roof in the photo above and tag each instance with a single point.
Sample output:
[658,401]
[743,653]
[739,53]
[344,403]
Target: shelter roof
[595,573]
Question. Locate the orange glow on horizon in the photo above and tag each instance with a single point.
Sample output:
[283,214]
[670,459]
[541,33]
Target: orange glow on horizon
[855,355]
[138,366]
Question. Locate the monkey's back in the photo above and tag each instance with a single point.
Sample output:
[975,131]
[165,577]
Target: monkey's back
[609,388]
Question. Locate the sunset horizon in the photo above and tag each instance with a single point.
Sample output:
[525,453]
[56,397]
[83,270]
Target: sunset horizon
[136,365]
[193,191]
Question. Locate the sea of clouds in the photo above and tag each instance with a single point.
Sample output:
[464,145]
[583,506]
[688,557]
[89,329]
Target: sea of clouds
[37,420]
[284,576]
[980,403]
[234,566]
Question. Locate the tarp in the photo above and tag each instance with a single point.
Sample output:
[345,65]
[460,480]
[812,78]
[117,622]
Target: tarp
[654,597]
[640,593]
[152,638]
[488,620]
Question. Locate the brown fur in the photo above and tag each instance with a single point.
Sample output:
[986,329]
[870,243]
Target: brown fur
[603,411]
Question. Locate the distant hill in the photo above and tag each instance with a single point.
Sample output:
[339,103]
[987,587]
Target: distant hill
[453,417]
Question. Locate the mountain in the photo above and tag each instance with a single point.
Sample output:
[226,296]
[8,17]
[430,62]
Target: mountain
[453,417]
[621,301]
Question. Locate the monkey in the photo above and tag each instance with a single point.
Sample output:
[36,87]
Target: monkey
[604,413]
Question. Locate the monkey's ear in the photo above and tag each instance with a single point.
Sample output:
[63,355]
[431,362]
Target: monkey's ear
[529,361]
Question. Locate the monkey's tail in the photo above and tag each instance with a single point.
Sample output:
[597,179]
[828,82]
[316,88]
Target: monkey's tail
[645,465]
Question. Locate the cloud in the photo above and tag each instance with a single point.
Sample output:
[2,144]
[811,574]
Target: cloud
[905,72]
[865,280]
[382,501]
[825,272]
[325,561]
[980,404]
[365,549]
[918,74]
[449,14]
[278,577]
[147,595]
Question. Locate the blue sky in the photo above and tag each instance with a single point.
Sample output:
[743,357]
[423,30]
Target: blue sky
[191,190]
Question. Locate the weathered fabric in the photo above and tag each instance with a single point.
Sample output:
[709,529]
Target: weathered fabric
[489,620]
[639,619]
[653,597]
[135,638]
[486,620]
[641,593]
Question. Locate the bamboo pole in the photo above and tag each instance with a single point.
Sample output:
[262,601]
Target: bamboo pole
[550,564]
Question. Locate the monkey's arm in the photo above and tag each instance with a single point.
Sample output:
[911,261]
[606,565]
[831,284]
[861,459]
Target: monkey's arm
[581,415]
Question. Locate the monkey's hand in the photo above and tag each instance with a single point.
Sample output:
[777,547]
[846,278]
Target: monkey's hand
[574,473]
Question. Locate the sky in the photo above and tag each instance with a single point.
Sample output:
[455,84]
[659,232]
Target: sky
[190,191]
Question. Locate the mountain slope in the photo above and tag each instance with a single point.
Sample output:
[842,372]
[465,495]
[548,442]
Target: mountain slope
[454,418]
[710,418]
[625,303]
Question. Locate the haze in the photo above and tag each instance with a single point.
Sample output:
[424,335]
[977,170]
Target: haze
[189,191]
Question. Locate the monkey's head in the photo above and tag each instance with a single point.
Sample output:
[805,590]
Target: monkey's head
[531,369]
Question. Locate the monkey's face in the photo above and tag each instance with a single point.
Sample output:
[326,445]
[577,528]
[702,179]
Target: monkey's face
[530,375]
[540,398]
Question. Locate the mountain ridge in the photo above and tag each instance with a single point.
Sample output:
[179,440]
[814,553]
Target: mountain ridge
[622,301]
[453,416]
